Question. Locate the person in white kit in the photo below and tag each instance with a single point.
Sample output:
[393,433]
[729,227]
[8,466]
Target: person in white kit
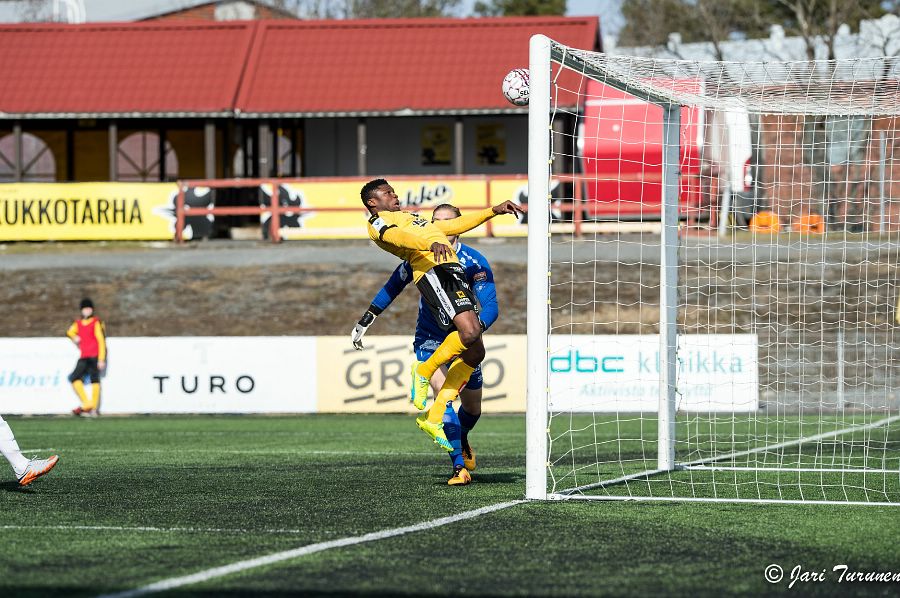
[27,470]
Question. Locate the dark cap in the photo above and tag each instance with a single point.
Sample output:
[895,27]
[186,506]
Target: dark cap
[87,303]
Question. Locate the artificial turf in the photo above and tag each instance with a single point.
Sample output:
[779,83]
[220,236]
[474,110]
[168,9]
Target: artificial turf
[199,492]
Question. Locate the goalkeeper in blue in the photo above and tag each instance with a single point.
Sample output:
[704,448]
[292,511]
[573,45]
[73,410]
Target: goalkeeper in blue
[430,333]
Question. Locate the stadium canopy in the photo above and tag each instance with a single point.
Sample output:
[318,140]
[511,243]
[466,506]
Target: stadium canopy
[254,69]
[395,66]
[122,69]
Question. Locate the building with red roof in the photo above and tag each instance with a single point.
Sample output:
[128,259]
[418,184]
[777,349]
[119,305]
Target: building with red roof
[161,99]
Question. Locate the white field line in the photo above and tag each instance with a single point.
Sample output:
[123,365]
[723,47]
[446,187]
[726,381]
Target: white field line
[233,433]
[118,528]
[261,451]
[763,501]
[841,470]
[277,557]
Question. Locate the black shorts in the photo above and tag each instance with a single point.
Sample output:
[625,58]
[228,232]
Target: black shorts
[447,294]
[86,366]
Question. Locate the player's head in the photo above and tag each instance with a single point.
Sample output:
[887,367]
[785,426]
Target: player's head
[446,211]
[378,195]
[87,308]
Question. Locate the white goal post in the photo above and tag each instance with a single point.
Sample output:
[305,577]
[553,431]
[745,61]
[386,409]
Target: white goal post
[735,336]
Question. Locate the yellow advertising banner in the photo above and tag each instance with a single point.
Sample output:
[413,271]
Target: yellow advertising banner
[377,379]
[87,211]
[415,194]
[511,189]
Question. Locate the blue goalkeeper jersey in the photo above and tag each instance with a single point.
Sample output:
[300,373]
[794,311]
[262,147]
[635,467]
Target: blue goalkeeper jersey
[478,273]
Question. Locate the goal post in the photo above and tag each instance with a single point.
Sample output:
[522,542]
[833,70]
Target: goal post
[674,356]
[539,157]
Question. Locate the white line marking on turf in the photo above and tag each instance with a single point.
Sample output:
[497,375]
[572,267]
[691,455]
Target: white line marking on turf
[277,557]
[117,528]
[274,451]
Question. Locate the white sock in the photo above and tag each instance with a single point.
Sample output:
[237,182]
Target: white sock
[10,449]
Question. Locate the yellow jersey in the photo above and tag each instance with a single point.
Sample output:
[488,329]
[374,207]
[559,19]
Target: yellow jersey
[410,237]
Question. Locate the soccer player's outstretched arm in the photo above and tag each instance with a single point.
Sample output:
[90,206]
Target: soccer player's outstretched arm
[401,277]
[466,222]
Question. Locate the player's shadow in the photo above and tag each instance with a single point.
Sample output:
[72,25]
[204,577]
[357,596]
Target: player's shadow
[14,487]
[500,477]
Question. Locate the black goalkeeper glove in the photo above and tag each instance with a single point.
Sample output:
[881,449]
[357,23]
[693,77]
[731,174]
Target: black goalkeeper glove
[360,329]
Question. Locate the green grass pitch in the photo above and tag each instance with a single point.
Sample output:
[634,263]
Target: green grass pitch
[138,500]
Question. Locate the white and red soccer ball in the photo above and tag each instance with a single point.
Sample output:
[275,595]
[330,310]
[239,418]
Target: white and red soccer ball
[515,87]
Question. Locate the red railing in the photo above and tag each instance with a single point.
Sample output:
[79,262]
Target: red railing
[576,207]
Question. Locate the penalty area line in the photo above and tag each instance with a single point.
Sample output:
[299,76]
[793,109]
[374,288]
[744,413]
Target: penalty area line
[165,530]
[277,557]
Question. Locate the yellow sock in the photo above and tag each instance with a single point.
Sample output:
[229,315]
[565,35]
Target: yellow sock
[95,395]
[457,376]
[450,348]
[78,385]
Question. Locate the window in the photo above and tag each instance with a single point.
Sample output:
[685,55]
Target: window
[139,159]
[287,160]
[38,163]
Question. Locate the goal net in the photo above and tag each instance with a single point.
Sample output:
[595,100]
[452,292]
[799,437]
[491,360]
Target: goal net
[734,333]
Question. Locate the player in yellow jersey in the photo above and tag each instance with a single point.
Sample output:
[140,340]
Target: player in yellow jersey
[442,281]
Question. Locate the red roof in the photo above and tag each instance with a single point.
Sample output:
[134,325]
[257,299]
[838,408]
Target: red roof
[393,65]
[122,68]
[380,66]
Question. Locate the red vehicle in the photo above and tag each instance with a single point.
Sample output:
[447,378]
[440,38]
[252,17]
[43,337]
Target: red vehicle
[620,139]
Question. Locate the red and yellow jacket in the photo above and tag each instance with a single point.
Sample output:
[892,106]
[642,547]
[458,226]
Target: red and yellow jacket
[93,339]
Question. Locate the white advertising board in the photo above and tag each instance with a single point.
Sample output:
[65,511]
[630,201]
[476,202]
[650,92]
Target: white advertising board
[619,373]
[33,375]
[166,375]
[717,373]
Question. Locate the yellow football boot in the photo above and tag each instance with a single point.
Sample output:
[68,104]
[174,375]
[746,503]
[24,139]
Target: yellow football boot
[419,393]
[436,431]
[460,477]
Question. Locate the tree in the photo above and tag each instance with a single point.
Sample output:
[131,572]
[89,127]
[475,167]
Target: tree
[822,18]
[649,22]
[519,8]
[367,9]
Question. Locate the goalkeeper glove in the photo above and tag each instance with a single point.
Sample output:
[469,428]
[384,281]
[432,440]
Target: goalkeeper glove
[360,329]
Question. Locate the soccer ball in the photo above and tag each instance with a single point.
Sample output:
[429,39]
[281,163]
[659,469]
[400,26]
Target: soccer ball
[515,87]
